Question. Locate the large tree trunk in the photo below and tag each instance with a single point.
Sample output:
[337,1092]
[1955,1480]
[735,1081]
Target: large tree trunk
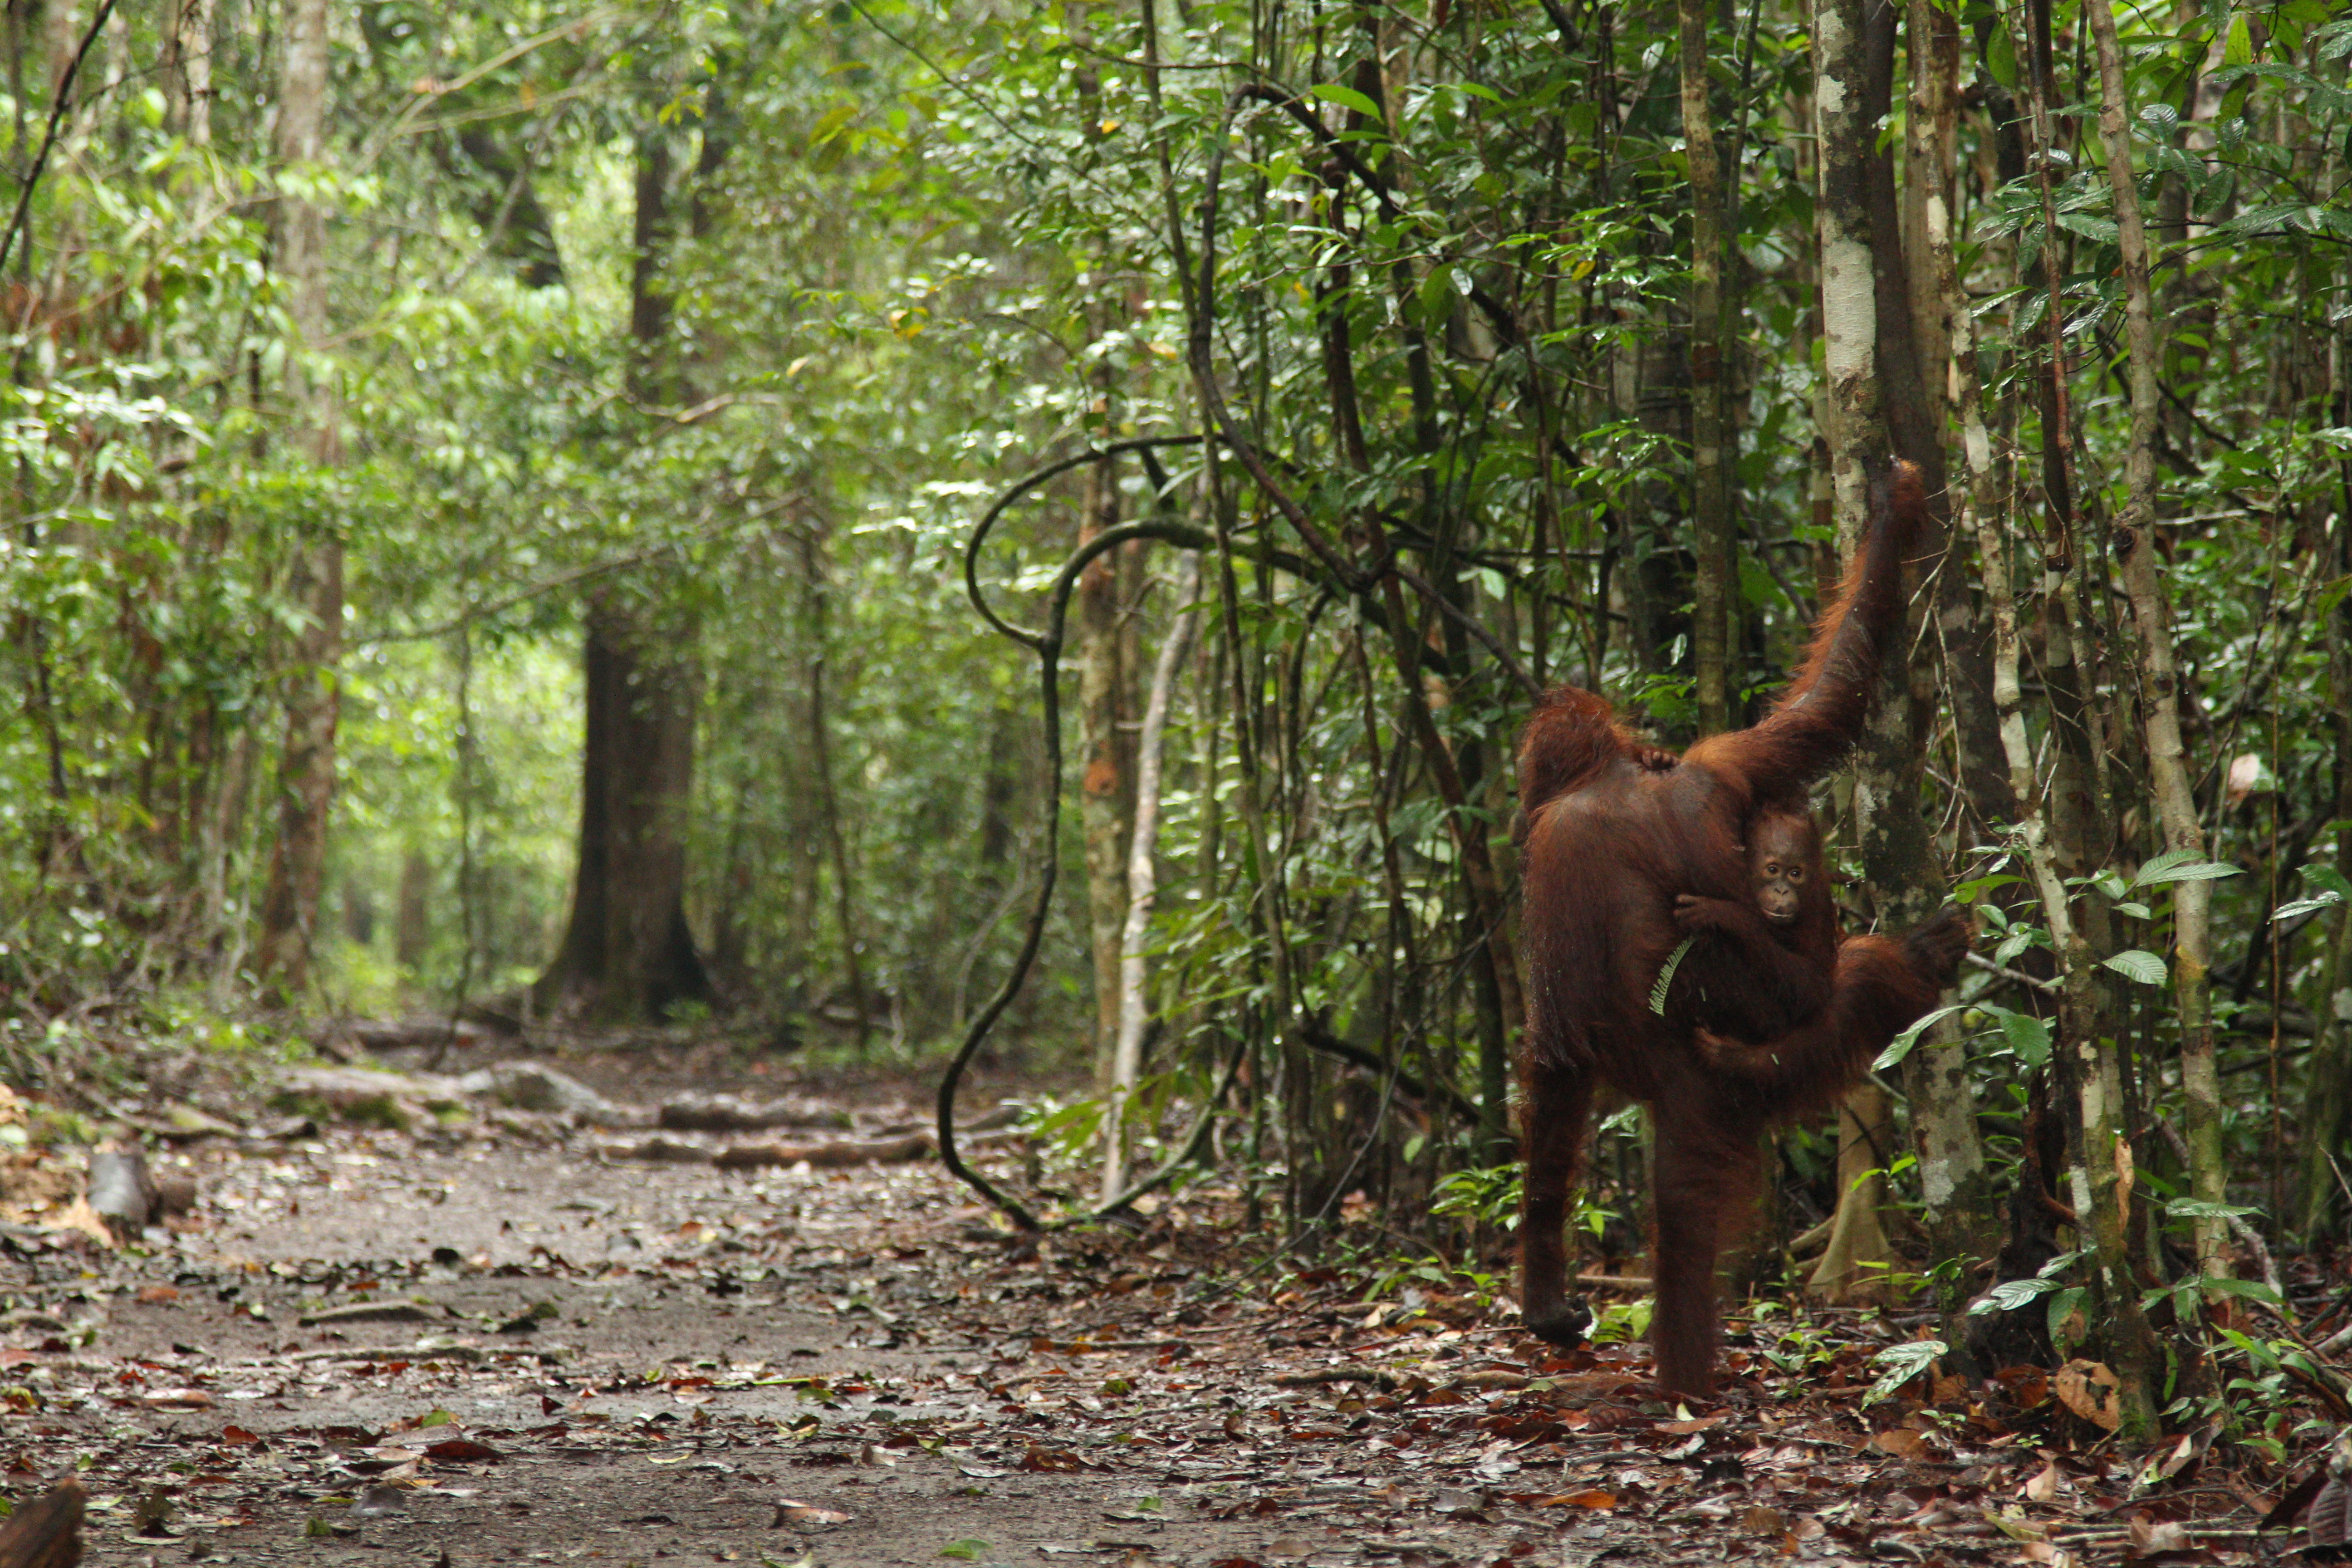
[1850,99]
[627,953]
[314,577]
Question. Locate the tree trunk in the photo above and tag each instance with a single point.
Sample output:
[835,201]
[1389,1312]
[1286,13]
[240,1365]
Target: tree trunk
[836,837]
[627,953]
[2159,676]
[1712,456]
[412,925]
[1142,882]
[1851,99]
[314,577]
[2098,1153]
[1961,1213]
[1107,790]
[1845,1274]
[188,70]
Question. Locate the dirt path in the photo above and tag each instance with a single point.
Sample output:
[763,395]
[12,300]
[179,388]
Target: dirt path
[372,1347]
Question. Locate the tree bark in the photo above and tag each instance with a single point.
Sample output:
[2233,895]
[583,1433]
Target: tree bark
[1857,1239]
[188,70]
[1710,331]
[2159,675]
[2098,1155]
[1961,1212]
[1143,883]
[629,954]
[1107,789]
[314,577]
[413,924]
[836,836]
[1851,99]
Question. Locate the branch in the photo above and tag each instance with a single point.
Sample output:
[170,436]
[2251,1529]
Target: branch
[57,103]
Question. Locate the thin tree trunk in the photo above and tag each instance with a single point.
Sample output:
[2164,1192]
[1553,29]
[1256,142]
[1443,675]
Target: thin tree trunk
[1107,790]
[836,838]
[412,925]
[1857,428]
[1961,1215]
[2159,675]
[2320,1194]
[188,70]
[314,577]
[1711,457]
[1127,1058]
[2099,1165]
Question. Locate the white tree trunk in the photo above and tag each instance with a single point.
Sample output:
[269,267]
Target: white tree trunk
[1126,1055]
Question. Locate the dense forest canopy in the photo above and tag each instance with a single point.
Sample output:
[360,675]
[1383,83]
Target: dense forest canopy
[492,487]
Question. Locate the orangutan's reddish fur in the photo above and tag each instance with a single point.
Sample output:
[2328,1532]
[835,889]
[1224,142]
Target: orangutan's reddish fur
[1614,832]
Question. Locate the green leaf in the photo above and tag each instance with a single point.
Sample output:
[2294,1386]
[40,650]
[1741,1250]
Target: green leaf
[1902,1363]
[2009,1294]
[2253,1289]
[969,1551]
[1900,1047]
[2064,1304]
[2238,43]
[1347,97]
[2181,865]
[2028,1036]
[2329,878]
[2198,1209]
[2000,58]
[2288,911]
[2136,964]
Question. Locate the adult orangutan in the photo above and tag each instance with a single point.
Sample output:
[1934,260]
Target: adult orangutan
[1626,853]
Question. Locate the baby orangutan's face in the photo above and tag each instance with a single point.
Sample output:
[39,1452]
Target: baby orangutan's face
[1783,853]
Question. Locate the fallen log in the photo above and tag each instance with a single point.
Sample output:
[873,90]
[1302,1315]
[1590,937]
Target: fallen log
[725,1113]
[670,1150]
[833,1152]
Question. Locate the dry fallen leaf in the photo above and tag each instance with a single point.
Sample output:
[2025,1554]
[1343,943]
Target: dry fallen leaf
[803,1513]
[459,1451]
[2041,1486]
[1050,1461]
[2089,1389]
[1901,1442]
[177,1399]
[2151,1535]
[1684,1429]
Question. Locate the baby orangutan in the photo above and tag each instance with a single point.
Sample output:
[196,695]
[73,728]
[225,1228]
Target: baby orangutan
[1763,965]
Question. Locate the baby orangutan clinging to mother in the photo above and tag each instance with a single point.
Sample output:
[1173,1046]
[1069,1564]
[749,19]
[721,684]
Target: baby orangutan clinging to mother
[1751,969]
[1657,958]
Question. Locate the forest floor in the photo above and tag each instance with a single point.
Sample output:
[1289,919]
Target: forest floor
[495,1342]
